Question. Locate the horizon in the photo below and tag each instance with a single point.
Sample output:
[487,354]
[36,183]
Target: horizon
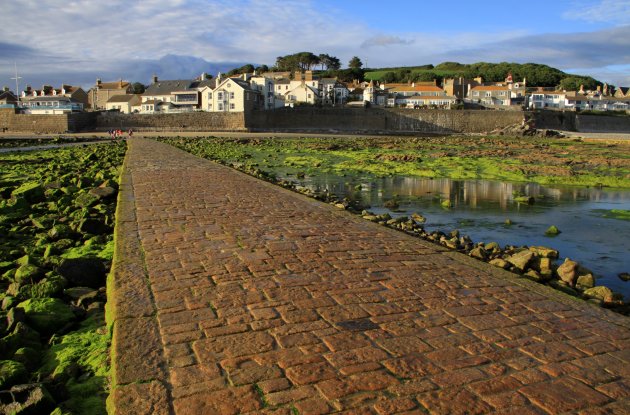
[180,39]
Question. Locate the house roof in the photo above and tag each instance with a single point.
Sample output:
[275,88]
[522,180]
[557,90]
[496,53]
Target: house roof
[123,98]
[113,85]
[623,89]
[429,97]
[167,87]
[8,96]
[50,98]
[490,88]
[416,88]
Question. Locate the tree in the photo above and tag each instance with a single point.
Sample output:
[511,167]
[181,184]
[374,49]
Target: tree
[262,69]
[355,63]
[138,88]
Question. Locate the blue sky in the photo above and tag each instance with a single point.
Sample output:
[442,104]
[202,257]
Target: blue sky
[75,41]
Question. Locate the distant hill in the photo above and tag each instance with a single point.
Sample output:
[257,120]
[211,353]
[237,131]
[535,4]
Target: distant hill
[536,74]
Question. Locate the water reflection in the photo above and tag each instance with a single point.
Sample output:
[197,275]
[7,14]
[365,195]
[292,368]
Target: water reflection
[480,208]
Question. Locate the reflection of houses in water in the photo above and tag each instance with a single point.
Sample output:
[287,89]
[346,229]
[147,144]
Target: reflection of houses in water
[470,193]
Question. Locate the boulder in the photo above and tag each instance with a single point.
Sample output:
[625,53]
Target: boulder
[32,192]
[501,263]
[492,247]
[600,292]
[83,272]
[104,192]
[47,315]
[552,231]
[28,356]
[11,373]
[28,399]
[567,272]
[543,266]
[521,260]
[479,253]
[28,273]
[22,336]
[86,200]
[534,276]
[418,218]
[93,226]
[544,252]
[60,231]
[624,276]
[585,282]
[14,316]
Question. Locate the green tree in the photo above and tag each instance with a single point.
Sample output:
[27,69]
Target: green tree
[138,88]
[355,63]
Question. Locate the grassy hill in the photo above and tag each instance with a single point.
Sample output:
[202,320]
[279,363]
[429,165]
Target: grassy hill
[536,74]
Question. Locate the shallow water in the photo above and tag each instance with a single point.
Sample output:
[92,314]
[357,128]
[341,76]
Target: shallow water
[481,207]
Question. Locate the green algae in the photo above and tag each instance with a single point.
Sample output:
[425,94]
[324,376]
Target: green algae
[39,218]
[619,214]
[536,160]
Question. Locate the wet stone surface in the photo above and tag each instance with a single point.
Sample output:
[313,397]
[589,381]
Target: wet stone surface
[268,302]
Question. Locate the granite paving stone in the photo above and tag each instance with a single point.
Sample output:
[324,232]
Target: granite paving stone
[230,295]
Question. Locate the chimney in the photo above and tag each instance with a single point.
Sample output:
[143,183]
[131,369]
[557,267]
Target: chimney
[203,76]
[154,79]
[120,83]
[98,81]
[218,77]
[5,89]
[308,76]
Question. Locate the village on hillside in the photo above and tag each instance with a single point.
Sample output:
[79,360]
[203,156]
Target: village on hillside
[273,90]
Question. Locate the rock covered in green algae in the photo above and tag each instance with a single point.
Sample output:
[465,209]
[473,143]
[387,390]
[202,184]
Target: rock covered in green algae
[11,373]
[32,192]
[47,315]
[552,231]
[83,272]
[28,399]
[600,292]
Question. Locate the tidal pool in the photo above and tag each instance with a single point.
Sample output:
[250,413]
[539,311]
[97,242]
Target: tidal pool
[480,209]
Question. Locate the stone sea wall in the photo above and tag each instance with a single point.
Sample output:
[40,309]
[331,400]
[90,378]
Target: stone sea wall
[189,121]
[381,120]
[349,120]
[39,124]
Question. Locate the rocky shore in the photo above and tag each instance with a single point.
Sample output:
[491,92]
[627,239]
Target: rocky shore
[56,217]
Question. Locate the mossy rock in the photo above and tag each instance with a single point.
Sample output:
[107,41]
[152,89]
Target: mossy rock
[28,356]
[48,287]
[28,273]
[86,200]
[32,192]
[12,373]
[60,231]
[47,315]
[552,231]
[84,272]
[22,336]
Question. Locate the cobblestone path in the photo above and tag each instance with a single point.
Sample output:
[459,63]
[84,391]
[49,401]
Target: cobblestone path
[233,296]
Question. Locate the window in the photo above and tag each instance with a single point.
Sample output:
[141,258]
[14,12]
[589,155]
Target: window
[502,93]
[231,95]
[475,93]
[231,106]
[220,95]
[209,95]
[220,107]
[488,94]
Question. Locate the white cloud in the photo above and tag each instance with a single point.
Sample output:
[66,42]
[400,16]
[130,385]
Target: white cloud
[385,40]
[607,11]
[75,36]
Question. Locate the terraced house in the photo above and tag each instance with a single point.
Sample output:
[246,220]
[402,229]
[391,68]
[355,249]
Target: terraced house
[417,95]
[493,95]
[102,92]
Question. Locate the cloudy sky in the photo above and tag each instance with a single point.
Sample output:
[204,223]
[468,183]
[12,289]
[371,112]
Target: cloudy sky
[76,41]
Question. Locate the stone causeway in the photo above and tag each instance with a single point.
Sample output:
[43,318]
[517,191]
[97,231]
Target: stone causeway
[230,295]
